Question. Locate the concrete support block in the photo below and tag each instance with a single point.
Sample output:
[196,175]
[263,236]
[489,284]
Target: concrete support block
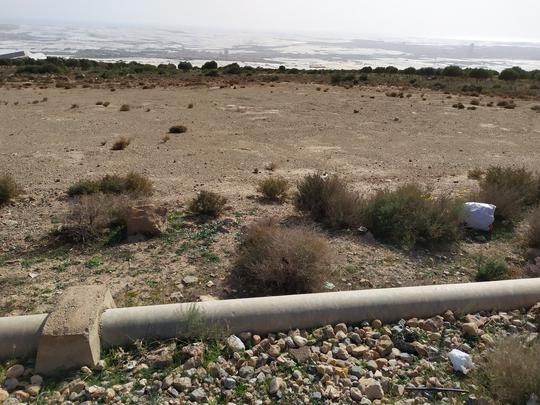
[71,334]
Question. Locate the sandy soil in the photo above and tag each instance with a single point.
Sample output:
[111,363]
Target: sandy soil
[49,145]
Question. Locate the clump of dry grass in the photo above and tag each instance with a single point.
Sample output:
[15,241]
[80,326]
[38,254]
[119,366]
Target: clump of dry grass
[8,189]
[475,174]
[125,107]
[133,183]
[510,189]
[207,203]
[536,108]
[121,143]
[190,105]
[90,216]
[274,188]
[459,106]
[165,138]
[513,371]
[507,104]
[177,129]
[74,106]
[327,200]
[106,104]
[99,102]
[475,101]
[279,260]
[534,229]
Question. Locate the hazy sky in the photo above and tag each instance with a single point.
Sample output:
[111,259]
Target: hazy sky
[473,19]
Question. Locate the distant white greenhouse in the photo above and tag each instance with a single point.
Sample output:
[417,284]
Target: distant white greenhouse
[22,55]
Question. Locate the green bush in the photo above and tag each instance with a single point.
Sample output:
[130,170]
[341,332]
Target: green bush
[510,189]
[8,189]
[185,66]
[490,269]
[409,216]
[207,203]
[327,200]
[452,71]
[211,65]
[232,69]
[132,183]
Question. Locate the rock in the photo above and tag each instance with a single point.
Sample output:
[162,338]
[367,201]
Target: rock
[376,324]
[246,372]
[198,395]
[433,324]
[275,385]
[147,220]
[11,384]
[235,343]
[372,365]
[86,370]
[356,394]
[33,390]
[371,388]
[470,329]
[160,358]
[3,395]
[229,383]
[301,355]
[274,350]
[181,383]
[299,341]
[190,280]
[15,371]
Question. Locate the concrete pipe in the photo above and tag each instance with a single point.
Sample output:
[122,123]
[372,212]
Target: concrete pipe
[19,335]
[281,313]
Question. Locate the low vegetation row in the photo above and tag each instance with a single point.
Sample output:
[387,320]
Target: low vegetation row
[58,65]
[281,259]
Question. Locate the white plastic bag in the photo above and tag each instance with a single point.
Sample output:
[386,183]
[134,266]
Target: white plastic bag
[461,361]
[479,215]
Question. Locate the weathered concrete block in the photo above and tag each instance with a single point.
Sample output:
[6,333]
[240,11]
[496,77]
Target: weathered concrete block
[70,337]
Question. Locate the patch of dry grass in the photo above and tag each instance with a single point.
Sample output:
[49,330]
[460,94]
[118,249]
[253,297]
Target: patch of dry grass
[121,143]
[510,189]
[513,370]
[8,189]
[133,183]
[328,200]
[475,174]
[273,188]
[278,260]
[534,229]
[207,203]
[125,107]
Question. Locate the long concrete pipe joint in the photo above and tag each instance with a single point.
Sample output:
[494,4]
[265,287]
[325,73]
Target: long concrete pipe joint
[22,336]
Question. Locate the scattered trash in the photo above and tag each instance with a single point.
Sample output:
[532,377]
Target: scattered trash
[33,275]
[329,286]
[461,361]
[480,215]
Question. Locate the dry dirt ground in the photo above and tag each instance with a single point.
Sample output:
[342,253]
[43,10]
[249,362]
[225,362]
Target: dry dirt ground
[48,145]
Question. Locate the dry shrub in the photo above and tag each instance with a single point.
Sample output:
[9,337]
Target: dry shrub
[8,189]
[491,269]
[279,260]
[410,216]
[177,129]
[121,143]
[536,108]
[328,200]
[207,203]
[89,216]
[534,229]
[475,174]
[106,104]
[125,107]
[475,101]
[99,102]
[73,106]
[511,190]
[513,371]
[274,188]
[190,105]
[133,183]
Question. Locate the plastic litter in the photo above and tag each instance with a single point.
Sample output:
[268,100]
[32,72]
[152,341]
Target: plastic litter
[461,361]
[479,215]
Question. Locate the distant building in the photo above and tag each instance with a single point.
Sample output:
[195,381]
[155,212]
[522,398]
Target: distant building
[22,55]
